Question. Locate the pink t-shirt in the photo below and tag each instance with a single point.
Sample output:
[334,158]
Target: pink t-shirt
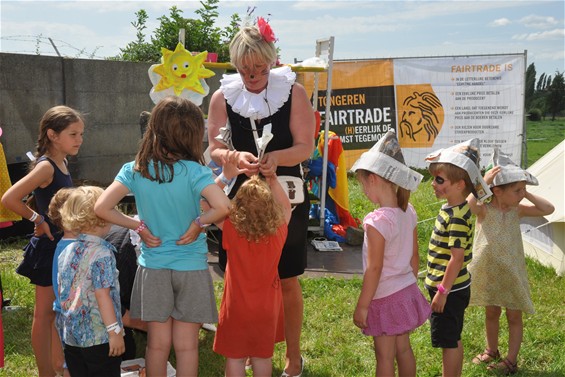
[397,228]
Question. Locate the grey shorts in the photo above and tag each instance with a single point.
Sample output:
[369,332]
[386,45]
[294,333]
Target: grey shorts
[186,296]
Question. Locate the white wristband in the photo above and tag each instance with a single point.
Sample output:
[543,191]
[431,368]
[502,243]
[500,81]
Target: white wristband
[224,180]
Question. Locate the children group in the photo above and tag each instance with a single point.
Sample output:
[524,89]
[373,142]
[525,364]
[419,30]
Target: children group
[74,270]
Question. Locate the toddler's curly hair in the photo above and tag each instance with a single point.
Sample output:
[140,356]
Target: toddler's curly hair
[55,205]
[255,213]
[77,213]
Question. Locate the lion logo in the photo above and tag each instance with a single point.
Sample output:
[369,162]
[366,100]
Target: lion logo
[421,116]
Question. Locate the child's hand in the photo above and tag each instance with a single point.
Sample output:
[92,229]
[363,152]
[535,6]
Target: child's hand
[489,175]
[41,229]
[149,239]
[247,163]
[229,165]
[438,303]
[360,317]
[117,345]
[191,234]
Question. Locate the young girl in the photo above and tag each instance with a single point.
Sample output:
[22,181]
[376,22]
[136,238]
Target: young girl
[89,291]
[390,305]
[60,135]
[498,266]
[251,313]
[173,288]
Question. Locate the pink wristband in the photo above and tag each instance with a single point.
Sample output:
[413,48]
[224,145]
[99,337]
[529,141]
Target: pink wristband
[441,289]
[142,226]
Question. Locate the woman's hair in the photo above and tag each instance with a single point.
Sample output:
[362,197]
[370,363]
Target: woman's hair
[255,212]
[402,195]
[57,201]
[454,174]
[175,132]
[77,213]
[57,118]
[248,43]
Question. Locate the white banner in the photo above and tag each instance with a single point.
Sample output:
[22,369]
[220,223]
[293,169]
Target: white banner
[443,101]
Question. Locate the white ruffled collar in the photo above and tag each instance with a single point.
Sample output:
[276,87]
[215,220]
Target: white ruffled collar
[253,105]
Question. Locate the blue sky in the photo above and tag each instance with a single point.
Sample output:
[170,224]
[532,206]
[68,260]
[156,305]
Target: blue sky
[362,29]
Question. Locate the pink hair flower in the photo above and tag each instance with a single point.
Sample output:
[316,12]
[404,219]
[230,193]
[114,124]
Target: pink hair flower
[265,30]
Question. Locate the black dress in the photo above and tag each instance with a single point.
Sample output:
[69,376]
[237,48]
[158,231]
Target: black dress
[293,259]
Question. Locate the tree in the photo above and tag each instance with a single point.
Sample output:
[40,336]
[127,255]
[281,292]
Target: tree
[139,50]
[530,84]
[541,81]
[556,97]
[201,34]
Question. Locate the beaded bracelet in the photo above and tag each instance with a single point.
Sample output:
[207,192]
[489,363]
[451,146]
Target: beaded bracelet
[142,226]
[199,223]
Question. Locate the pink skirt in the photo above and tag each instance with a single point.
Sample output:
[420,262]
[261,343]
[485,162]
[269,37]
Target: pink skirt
[398,313]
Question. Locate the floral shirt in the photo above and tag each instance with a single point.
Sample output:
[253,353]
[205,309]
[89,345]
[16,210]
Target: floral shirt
[85,266]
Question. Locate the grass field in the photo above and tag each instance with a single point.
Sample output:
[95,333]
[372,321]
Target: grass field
[332,345]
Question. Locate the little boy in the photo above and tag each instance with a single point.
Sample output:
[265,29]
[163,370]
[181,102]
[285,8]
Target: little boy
[89,290]
[456,174]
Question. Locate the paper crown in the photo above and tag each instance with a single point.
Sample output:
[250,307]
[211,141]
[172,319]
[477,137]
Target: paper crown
[465,155]
[386,160]
[509,171]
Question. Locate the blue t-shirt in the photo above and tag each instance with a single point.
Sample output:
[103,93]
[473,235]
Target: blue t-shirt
[168,209]
[64,242]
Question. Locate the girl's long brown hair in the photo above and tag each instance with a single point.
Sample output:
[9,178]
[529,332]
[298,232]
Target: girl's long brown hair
[175,132]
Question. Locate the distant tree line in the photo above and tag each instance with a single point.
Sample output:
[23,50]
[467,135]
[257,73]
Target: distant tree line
[546,96]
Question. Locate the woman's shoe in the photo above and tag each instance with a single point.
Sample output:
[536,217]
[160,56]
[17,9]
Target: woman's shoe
[284,374]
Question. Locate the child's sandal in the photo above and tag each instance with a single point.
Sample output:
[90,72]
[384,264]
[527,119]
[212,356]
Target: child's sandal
[488,356]
[505,367]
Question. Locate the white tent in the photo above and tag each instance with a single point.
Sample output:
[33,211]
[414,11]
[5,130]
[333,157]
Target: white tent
[544,237]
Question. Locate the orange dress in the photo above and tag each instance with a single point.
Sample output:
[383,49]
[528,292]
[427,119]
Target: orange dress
[251,314]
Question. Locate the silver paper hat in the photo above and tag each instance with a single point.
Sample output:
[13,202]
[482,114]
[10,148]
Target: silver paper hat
[509,171]
[466,156]
[386,160]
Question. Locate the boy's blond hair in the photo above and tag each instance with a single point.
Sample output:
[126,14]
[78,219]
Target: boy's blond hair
[454,174]
[77,213]
[255,213]
[55,205]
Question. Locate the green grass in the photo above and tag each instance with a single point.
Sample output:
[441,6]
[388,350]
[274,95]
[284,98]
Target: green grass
[542,136]
[331,343]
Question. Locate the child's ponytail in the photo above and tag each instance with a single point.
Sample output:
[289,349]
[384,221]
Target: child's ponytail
[402,197]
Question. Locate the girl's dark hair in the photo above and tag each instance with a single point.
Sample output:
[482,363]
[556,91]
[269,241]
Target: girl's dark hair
[175,132]
[57,118]
[402,195]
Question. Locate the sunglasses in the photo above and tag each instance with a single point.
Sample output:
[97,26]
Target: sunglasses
[439,180]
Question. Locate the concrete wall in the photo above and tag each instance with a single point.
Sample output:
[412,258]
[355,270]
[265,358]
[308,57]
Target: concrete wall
[110,94]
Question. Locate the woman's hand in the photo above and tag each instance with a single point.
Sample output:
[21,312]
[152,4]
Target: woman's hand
[248,162]
[268,166]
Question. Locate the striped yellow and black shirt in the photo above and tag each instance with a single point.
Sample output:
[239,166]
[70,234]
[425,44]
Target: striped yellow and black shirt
[453,229]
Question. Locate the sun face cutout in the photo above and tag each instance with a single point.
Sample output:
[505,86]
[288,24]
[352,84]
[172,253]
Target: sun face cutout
[180,73]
